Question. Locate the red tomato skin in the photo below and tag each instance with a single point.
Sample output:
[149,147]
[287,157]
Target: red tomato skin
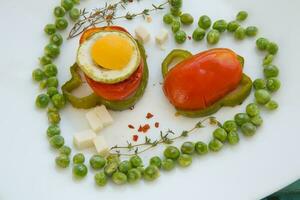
[203,79]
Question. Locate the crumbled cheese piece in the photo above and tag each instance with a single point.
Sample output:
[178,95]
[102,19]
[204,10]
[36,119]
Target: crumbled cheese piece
[94,121]
[101,145]
[162,37]
[84,139]
[142,34]
[104,115]
[149,19]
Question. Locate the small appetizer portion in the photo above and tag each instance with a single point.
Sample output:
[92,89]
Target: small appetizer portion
[114,66]
[203,83]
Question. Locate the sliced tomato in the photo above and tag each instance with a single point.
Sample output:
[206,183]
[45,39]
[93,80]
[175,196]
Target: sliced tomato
[118,91]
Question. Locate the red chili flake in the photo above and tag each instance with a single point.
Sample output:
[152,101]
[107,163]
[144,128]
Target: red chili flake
[149,115]
[140,129]
[156,124]
[189,37]
[135,137]
[130,126]
[146,127]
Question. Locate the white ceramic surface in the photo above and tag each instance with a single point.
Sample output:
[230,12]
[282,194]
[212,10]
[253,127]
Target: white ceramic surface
[251,170]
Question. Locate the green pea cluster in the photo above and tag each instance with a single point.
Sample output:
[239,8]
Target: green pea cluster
[46,75]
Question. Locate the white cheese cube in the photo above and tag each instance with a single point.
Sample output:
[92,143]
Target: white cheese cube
[94,121]
[84,139]
[104,115]
[162,37]
[101,145]
[142,34]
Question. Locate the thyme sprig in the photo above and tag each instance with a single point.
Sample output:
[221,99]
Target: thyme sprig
[107,15]
[165,138]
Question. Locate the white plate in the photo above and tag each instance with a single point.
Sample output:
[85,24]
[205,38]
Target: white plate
[254,168]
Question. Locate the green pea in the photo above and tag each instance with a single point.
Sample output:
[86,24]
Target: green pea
[213,37]
[248,129]
[188,148]
[125,166]
[262,43]
[230,125]
[62,161]
[61,23]
[232,26]
[76,1]
[156,161]
[52,82]
[168,164]
[80,170]
[53,130]
[186,19]
[201,148]
[204,22]
[273,84]
[271,71]
[272,105]
[113,158]
[257,120]
[252,109]
[176,12]
[136,161]
[119,178]
[151,173]
[45,60]
[111,168]
[172,152]
[51,91]
[168,18]
[215,145]
[268,60]
[176,3]
[262,96]
[56,39]
[57,141]
[141,169]
[180,36]
[97,162]
[241,118]
[43,84]
[260,84]
[272,48]
[240,33]
[220,134]
[100,179]
[50,70]
[67,4]
[53,117]
[199,34]
[74,14]
[185,160]
[251,31]
[42,101]
[50,29]
[220,25]
[233,137]
[58,101]
[38,75]
[78,158]
[59,11]
[133,175]
[65,150]
[175,26]
[52,50]
[242,16]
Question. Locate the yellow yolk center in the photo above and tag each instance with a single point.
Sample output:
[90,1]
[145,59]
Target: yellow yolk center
[112,52]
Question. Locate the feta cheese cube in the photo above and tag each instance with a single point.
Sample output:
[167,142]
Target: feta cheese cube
[162,37]
[104,115]
[142,34]
[84,139]
[101,145]
[94,121]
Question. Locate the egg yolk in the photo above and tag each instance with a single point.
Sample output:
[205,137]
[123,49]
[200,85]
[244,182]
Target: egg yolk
[112,52]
